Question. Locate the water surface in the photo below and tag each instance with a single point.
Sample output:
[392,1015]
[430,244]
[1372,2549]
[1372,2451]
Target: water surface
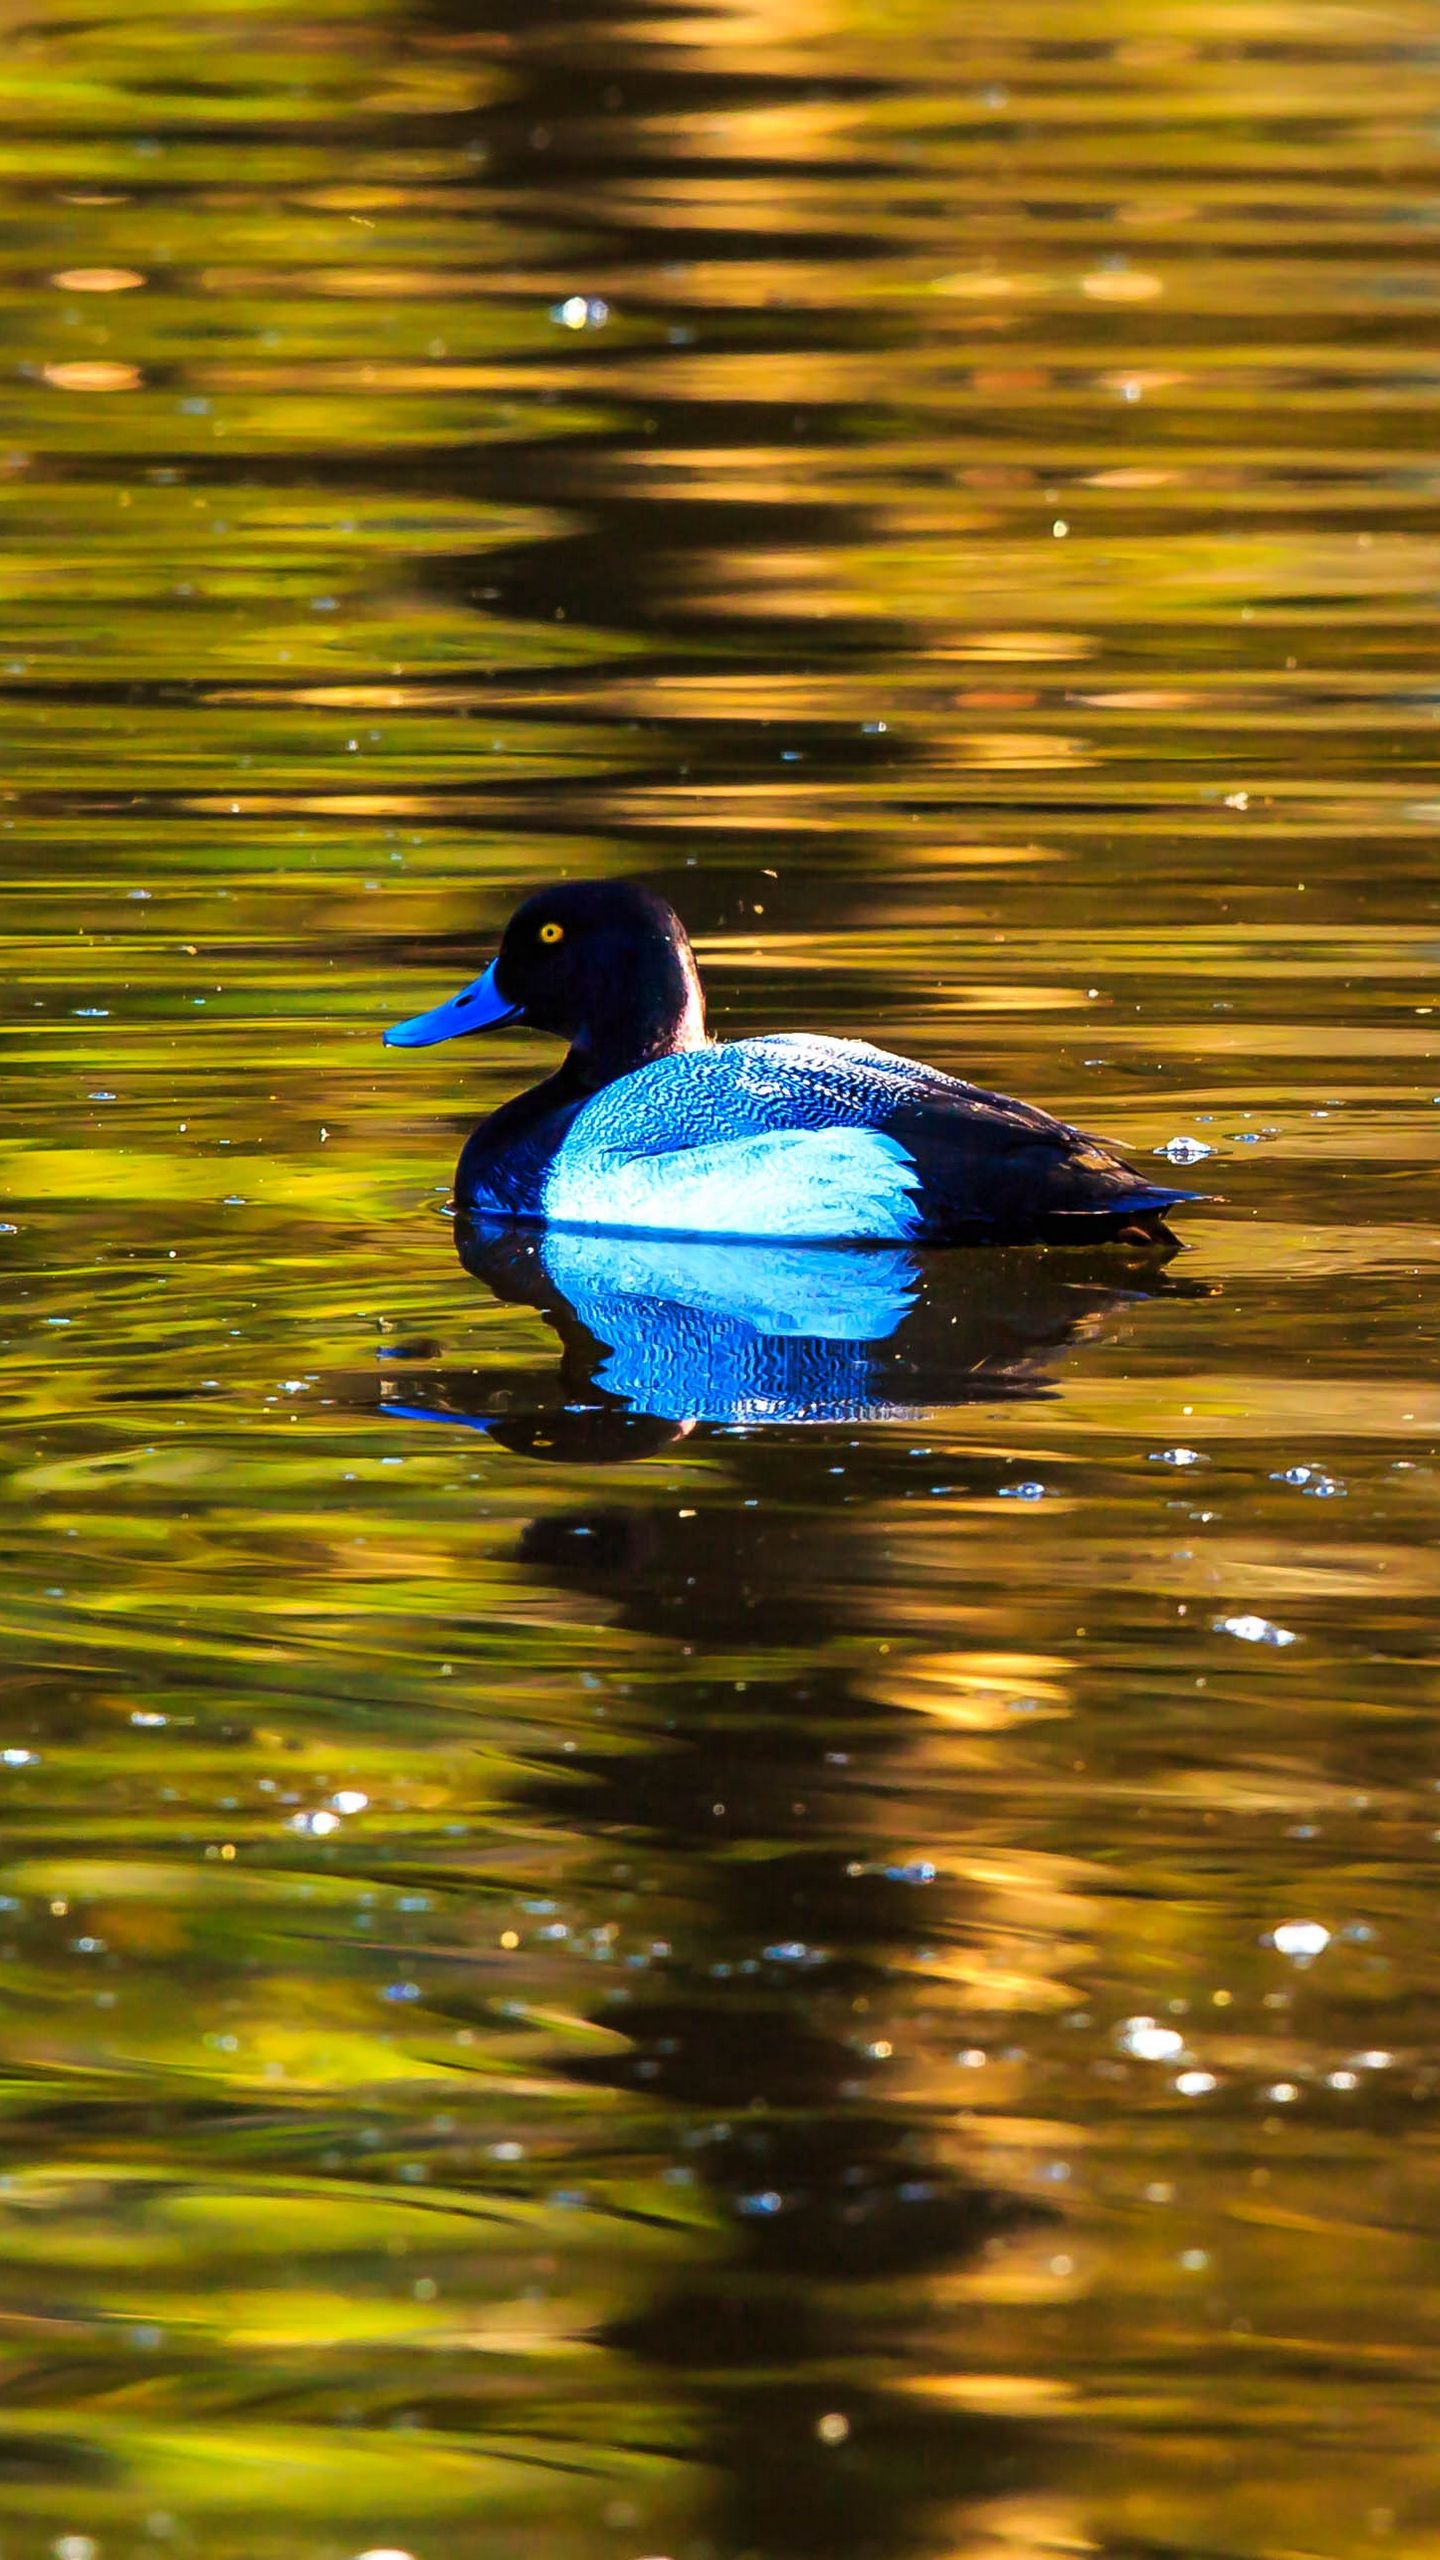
[655,1902]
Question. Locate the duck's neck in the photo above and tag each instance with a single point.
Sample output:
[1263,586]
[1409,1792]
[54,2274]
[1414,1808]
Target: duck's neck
[654,1012]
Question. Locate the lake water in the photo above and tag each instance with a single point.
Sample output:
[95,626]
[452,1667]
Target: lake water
[737,1906]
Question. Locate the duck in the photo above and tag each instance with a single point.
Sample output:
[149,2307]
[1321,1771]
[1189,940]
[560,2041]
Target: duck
[651,1127]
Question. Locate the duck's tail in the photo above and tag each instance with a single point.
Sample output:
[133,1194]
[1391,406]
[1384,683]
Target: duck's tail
[1138,1220]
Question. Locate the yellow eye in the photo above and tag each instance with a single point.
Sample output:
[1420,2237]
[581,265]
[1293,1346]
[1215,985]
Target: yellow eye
[552,933]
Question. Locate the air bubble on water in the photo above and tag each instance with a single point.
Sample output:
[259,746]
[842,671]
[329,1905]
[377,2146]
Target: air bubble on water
[1196,2084]
[1175,1458]
[1148,2041]
[1184,1150]
[1029,1491]
[1310,1480]
[1253,1630]
[1302,1940]
[580,311]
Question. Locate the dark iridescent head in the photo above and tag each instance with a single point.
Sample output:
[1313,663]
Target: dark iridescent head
[602,964]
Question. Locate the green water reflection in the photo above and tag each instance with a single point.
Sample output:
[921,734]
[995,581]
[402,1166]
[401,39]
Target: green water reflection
[606,1954]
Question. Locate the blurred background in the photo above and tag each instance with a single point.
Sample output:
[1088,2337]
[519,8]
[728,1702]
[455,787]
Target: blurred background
[822,1956]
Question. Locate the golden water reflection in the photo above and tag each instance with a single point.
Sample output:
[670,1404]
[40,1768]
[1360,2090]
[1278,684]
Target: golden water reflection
[638,1920]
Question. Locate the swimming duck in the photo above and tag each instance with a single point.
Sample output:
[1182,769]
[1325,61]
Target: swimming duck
[650,1126]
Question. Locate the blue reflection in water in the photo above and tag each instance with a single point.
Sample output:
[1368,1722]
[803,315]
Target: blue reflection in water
[659,1333]
[697,1331]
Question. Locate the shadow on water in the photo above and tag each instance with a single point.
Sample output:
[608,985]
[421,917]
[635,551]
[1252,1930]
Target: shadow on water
[661,1333]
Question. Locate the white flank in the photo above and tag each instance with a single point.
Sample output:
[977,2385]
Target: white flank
[795,1185]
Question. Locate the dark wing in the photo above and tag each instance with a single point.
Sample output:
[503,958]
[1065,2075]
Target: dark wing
[990,1169]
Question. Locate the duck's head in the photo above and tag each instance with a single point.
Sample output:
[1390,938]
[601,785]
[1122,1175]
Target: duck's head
[601,963]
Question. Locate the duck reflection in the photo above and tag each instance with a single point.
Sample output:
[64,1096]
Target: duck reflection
[661,1333]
